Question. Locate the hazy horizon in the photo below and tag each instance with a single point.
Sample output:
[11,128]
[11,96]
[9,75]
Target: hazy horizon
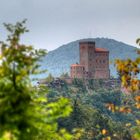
[54,23]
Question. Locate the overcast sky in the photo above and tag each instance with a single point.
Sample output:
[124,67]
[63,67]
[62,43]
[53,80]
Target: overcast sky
[53,23]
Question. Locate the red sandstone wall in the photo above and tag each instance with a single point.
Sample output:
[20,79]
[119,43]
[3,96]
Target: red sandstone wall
[95,63]
[87,50]
[77,71]
[102,74]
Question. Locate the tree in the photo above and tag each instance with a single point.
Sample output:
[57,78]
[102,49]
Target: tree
[24,110]
[64,75]
[50,78]
[129,71]
[138,41]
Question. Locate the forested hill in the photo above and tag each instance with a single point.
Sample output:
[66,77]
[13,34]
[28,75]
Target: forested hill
[60,59]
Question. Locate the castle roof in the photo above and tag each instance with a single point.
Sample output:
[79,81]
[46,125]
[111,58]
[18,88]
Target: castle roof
[77,65]
[101,50]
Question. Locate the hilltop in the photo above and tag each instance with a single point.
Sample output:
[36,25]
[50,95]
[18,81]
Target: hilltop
[60,59]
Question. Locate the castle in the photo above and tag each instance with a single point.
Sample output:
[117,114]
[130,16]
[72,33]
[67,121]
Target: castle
[94,62]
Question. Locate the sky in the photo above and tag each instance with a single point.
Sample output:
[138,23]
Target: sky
[53,23]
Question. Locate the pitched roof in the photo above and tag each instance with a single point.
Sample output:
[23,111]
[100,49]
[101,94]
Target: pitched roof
[77,65]
[101,50]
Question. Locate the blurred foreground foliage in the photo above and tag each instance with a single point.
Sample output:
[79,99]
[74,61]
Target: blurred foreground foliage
[129,72]
[25,113]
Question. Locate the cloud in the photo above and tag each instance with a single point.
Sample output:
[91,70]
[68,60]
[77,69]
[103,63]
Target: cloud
[53,23]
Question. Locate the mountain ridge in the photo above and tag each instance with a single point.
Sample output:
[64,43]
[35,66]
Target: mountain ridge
[59,60]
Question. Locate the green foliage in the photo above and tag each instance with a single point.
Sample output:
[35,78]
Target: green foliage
[95,84]
[50,78]
[64,75]
[79,84]
[25,113]
[91,113]
[94,123]
[129,71]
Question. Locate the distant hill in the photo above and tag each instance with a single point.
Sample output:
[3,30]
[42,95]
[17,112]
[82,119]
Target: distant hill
[60,59]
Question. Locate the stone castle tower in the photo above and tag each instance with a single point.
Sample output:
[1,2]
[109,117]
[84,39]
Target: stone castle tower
[94,62]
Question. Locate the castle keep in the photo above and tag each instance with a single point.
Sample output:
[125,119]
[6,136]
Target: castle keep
[94,62]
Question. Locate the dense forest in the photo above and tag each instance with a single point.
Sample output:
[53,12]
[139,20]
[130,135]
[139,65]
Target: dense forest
[101,112]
